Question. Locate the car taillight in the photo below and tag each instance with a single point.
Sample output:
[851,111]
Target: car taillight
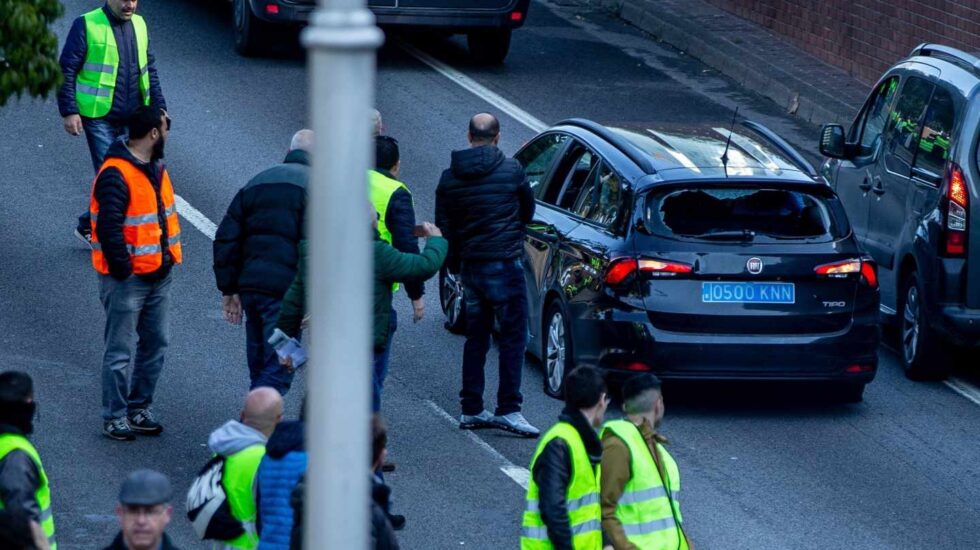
[272,9]
[840,270]
[958,204]
[516,16]
[620,269]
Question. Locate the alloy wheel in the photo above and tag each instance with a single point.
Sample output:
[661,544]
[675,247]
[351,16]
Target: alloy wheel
[555,356]
[910,325]
[452,298]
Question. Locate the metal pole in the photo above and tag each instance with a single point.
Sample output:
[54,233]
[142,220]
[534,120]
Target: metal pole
[342,40]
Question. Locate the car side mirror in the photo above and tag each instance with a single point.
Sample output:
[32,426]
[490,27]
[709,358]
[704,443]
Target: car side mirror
[832,141]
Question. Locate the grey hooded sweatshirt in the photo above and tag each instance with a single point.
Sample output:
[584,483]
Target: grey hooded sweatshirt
[234,436]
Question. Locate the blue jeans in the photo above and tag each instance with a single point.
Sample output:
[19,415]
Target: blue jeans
[261,314]
[137,316]
[381,364]
[100,135]
[494,290]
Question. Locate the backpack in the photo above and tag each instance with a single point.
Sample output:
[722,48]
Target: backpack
[207,504]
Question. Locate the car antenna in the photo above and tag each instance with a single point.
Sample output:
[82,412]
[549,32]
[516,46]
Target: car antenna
[724,156]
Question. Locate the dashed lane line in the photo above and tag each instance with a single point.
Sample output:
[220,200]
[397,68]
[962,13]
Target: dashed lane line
[519,475]
[195,217]
[477,89]
[964,388]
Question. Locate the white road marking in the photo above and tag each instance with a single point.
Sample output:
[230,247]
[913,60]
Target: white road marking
[520,476]
[197,219]
[964,388]
[481,91]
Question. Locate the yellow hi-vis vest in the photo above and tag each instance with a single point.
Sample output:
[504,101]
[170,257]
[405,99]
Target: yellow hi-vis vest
[380,190]
[238,479]
[582,499]
[13,442]
[646,510]
[95,84]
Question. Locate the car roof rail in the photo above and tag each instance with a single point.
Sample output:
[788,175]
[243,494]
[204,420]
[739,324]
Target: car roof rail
[772,137]
[619,142]
[959,58]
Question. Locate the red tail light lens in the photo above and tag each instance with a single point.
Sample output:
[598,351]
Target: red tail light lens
[958,206]
[516,16]
[841,270]
[622,268]
[272,9]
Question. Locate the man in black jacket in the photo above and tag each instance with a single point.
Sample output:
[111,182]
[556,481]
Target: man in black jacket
[552,468]
[483,203]
[126,92]
[256,249]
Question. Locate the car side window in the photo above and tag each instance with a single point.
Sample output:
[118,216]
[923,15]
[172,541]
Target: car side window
[537,159]
[601,200]
[903,128]
[936,129]
[577,169]
[873,119]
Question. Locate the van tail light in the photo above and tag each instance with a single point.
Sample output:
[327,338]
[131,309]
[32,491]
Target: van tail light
[272,9]
[841,270]
[957,209]
[516,16]
[621,269]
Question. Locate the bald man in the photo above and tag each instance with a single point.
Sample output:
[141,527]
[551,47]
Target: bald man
[483,202]
[256,251]
[242,445]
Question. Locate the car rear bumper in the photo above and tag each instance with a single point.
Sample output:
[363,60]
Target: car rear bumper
[454,20]
[625,344]
[961,324]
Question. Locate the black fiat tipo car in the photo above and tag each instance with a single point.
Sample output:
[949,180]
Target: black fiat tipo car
[694,253]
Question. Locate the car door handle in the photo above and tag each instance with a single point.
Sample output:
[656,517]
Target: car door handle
[543,231]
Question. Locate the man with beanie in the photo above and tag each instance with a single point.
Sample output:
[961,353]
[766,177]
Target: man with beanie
[24,485]
[144,512]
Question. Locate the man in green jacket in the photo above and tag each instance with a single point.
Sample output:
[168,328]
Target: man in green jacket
[390,266]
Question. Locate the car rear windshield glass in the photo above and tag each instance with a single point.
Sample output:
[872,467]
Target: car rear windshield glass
[742,214]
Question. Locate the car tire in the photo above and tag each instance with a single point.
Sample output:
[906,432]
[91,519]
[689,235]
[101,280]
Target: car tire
[453,301]
[489,47]
[849,392]
[556,350]
[919,345]
[250,31]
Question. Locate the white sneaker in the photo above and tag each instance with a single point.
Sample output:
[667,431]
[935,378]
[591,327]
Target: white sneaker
[515,423]
[476,422]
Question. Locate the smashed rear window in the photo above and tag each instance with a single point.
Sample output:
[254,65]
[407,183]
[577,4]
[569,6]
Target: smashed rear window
[744,214]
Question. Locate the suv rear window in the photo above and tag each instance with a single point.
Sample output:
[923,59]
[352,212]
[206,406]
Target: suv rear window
[744,213]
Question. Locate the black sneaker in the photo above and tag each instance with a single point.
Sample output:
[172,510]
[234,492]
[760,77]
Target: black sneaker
[84,235]
[143,422]
[397,521]
[118,429]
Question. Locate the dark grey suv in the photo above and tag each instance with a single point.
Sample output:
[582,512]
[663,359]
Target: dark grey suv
[907,172]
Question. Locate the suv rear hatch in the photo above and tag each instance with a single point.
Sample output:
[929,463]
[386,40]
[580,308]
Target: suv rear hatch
[748,259]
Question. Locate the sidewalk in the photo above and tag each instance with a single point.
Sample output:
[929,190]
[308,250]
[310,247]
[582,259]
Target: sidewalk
[751,55]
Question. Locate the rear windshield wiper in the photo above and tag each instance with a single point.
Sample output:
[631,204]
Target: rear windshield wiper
[726,235]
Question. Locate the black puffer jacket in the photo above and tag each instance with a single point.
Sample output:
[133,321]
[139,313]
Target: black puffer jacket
[256,245]
[552,473]
[112,194]
[482,204]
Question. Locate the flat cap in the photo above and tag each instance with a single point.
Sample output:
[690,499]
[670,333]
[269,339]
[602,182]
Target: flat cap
[145,488]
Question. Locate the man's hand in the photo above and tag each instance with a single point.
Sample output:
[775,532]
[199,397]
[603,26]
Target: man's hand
[40,539]
[231,305]
[73,125]
[430,230]
[418,309]
[286,363]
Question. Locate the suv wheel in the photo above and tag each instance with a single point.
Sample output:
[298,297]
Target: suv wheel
[250,31]
[489,47]
[922,356]
[452,300]
[556,350]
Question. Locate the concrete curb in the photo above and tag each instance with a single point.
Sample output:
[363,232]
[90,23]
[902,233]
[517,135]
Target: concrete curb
[737,62]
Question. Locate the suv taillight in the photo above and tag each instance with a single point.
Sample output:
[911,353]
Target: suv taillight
[620,269]
[957,209]
[840,270]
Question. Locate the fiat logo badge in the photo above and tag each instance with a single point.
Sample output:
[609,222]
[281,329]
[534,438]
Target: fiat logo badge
[754,265]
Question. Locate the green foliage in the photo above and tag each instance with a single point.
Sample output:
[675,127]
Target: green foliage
[28,48]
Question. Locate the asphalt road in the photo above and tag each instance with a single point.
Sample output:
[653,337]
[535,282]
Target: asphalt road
[763,467]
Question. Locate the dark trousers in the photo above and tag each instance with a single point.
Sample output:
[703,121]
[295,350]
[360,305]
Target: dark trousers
[494,290]
[381,364]
[261,313]
[99,134]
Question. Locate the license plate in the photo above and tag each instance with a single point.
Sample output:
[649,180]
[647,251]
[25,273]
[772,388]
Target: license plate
[748,293]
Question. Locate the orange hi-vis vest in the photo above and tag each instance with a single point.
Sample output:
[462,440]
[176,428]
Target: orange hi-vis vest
[142,230]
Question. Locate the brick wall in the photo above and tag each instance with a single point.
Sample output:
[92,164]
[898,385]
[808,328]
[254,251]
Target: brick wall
[865,37]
